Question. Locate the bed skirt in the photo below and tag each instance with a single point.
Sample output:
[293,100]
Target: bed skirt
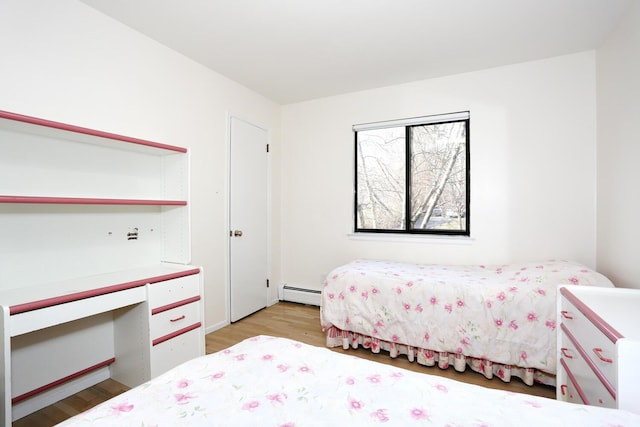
[337,337]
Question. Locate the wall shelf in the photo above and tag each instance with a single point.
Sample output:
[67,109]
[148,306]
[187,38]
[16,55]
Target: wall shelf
[33,123]
[70,196]
[88,201]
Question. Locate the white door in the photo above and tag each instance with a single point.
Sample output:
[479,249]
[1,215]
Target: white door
[248,218]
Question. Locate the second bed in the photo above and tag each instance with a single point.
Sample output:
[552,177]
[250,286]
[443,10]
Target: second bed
[498,320]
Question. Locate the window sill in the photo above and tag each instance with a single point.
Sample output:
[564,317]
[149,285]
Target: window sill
[412,238]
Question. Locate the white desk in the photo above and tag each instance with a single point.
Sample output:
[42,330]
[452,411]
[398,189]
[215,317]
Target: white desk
[66,336]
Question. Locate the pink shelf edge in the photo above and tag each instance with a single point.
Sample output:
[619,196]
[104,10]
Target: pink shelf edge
[86,131]
[88,201]
[56,383]
[48,302]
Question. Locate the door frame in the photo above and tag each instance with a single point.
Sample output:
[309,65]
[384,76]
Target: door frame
[230,115]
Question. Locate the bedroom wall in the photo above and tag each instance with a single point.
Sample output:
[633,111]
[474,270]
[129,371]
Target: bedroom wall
[618,92]
[533,169]
[67,62]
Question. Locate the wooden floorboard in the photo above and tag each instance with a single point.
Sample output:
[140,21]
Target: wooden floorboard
[289,320]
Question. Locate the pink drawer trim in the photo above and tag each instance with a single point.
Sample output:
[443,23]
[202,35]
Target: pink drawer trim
[48,302]
[86,131]
[574,382]
[89,201]
[61,381]
[608,330]
[176,333]
[585,357]
[175,304]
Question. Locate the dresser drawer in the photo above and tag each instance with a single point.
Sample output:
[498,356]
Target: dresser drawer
[595,392]
[170,291]
[173,320]
[569,391]
[600,349]
[175,351]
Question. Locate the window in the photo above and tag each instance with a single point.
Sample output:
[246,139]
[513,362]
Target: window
[412,175]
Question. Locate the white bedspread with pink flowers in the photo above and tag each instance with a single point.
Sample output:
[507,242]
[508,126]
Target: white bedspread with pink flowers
[266,381]
[499,320]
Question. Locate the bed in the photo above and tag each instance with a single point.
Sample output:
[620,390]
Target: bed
[268,381]
[497,320]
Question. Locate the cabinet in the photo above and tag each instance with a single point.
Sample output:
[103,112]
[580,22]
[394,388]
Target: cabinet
[599,346]
[95,278]
[175,323]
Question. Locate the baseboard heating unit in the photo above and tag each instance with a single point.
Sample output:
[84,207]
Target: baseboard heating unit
[299,295]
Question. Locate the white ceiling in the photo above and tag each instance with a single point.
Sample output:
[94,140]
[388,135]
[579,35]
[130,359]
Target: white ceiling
[295,50]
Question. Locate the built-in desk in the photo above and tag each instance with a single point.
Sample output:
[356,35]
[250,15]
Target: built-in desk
[63,337]
[95,254]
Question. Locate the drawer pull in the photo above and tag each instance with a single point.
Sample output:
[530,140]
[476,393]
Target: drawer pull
[598,352]
[177,318]
[564,352]
[563,389]
[566,314]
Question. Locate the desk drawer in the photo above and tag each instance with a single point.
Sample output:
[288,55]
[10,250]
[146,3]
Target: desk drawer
[173,352]
[587,380]
[58,314]
[600,349]
[173,320]
[170,291]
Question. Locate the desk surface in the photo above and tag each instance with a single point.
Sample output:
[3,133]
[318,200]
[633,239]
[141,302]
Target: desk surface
[20,300]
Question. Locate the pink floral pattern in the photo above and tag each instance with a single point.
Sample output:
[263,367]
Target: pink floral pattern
[504,314]
[337,390]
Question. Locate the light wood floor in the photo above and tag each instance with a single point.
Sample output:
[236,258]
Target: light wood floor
[287,320]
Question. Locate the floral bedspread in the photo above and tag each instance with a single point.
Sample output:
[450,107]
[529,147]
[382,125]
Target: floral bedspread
[267,381]
[497,319]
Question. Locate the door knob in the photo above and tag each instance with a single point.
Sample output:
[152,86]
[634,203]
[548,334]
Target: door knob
[237,233]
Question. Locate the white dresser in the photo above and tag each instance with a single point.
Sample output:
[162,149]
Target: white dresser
[95,252]
[599,346]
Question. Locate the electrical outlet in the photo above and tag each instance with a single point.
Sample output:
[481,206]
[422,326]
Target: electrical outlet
[133,233]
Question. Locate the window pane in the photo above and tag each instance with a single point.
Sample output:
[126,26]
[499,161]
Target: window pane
[438,176]
[380,179]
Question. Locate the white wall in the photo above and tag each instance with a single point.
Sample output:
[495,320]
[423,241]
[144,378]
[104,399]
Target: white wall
[618,94]
[533,144]
[533,181]
[66,62]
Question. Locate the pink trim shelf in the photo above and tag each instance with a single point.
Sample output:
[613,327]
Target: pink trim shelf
[86,131]
[88,201]
[48,302]
[55,383]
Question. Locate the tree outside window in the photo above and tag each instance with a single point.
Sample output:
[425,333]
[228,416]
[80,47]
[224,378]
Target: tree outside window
[413,177]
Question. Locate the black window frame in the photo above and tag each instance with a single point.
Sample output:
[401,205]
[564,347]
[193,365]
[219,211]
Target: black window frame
[410,123]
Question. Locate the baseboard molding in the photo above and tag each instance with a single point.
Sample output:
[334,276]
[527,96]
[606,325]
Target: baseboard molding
[300,295]
[216,326]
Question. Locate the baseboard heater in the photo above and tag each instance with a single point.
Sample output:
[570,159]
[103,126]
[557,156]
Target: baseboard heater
[300,295]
